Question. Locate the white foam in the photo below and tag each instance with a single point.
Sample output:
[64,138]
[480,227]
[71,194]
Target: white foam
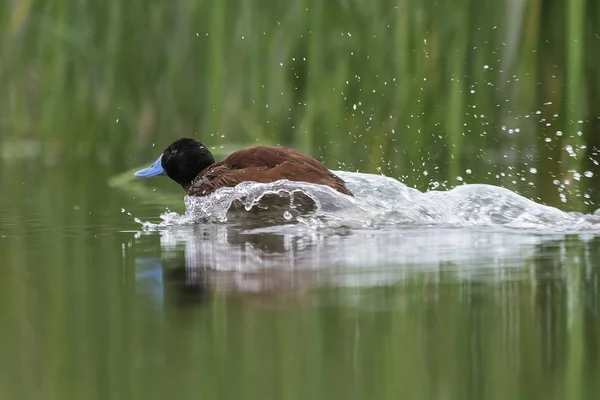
[382,201]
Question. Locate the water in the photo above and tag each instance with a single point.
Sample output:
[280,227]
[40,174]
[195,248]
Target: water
[472,293]
[378,201]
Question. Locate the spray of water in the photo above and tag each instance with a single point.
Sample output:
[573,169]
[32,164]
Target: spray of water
[378,201]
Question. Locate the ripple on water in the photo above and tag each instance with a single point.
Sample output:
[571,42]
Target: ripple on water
[378,201]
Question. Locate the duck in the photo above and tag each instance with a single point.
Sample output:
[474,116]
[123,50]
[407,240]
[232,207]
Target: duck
[190,163]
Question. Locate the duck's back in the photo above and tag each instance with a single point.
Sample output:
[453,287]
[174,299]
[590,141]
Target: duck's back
[265,164]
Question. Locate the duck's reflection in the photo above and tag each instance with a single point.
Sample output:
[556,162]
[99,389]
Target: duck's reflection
[199,259]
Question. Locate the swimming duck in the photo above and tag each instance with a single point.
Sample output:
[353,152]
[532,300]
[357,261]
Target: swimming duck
[189,163]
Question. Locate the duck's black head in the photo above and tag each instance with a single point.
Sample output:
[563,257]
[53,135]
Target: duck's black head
[182,161]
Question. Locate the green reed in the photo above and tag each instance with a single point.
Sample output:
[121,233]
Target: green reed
[421,90]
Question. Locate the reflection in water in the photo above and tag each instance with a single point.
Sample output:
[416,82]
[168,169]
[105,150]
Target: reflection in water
[428,313]
[294,257]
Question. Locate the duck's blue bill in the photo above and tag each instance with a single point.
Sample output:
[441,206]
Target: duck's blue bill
[153,170]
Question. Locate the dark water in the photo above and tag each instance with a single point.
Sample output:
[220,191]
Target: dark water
[93,307]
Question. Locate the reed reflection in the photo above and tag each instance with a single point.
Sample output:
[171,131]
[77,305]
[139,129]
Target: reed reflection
[514,308]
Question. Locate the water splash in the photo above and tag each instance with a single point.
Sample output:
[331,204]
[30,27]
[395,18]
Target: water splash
[378,201]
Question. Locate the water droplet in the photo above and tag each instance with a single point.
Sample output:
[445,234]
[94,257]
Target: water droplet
[569,149]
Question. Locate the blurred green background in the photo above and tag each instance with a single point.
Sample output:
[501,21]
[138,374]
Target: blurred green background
[432,92]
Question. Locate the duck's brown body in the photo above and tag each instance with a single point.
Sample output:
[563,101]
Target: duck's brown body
[264,164]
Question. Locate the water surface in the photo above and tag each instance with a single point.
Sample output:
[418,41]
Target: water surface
[474,293]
